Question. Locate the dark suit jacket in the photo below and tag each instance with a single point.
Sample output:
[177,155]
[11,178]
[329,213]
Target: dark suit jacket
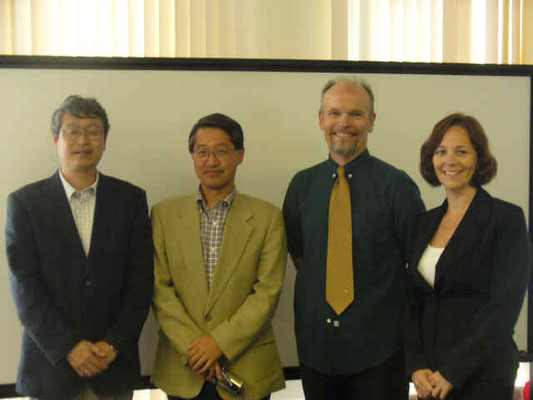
[62,296]
[464,326]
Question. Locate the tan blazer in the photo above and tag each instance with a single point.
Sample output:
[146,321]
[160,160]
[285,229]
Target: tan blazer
[238,309]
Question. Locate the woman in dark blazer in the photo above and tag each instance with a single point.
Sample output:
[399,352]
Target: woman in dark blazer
[469,271]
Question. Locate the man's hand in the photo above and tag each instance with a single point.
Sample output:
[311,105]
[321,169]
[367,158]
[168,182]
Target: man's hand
[423,386]
[84,361]
[441,387]
[105,352]
[203,352]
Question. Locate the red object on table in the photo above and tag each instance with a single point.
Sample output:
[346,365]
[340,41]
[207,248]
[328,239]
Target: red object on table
[526,391]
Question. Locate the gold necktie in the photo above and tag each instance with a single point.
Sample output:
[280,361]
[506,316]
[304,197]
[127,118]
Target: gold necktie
[339,276]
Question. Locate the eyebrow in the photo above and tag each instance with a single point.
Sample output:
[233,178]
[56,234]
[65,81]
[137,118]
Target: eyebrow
[75,124]
[456,147]
[353,110]
[224,144]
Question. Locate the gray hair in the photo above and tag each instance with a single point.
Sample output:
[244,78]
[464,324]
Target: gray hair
[79,107]
[356,81]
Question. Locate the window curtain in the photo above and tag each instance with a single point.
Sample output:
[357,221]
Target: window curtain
[169,28]
[469,31]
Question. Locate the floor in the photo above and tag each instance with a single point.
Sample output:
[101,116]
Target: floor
[293,390]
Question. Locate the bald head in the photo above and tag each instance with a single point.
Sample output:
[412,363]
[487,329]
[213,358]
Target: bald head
[357,84]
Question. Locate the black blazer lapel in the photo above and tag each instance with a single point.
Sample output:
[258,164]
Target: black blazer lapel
[105,215]
[426,229]
[467,234]
[62,212]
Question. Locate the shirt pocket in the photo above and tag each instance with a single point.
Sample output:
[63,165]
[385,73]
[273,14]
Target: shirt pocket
[372,226]
[372,239]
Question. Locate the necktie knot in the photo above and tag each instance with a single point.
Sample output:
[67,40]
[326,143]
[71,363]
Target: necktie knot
[340,172]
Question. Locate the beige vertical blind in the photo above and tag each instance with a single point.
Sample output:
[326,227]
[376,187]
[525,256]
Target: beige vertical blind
[468,31]
[171,28]
[471,31]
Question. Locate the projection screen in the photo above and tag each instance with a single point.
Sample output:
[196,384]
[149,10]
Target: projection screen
[152,105]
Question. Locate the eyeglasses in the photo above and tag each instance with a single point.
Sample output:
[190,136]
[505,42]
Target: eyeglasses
[219,154]
[92,133]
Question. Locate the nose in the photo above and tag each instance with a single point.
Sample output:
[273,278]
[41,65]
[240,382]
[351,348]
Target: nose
[344,119]
[450,158]
[211,158]
[83,138]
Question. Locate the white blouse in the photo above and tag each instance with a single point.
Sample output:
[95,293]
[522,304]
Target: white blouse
[428,263]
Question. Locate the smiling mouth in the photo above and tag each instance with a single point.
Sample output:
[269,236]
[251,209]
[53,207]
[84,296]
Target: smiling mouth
[344,134]
[451,173]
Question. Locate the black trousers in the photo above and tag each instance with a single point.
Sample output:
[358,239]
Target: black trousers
[386,381]
[208,392]
[486,390]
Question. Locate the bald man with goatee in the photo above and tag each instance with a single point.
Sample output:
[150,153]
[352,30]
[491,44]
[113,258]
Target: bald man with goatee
[349,224]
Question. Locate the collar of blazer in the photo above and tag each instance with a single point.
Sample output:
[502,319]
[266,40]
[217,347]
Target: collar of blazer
[467,234]
[104,214]
[237,232]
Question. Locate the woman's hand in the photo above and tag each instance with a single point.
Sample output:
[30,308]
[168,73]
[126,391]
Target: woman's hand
[423,386]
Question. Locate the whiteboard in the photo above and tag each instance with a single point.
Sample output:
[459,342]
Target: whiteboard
[151,113]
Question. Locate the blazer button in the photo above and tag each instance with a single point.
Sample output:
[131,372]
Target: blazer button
[208,317]
[88,283]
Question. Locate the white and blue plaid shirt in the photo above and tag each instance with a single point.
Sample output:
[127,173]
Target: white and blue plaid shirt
[212,223]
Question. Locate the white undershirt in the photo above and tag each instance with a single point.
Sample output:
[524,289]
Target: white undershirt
[428,263]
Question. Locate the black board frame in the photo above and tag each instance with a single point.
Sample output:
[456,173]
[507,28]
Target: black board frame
[276,65]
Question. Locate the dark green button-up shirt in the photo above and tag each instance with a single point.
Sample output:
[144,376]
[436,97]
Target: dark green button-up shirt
[385,206]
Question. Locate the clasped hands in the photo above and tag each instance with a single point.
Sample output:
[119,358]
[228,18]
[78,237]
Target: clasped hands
[431,385]
[91,359]
[203,355]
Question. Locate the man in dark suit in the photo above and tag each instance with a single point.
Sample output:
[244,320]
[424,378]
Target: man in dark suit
[81,269]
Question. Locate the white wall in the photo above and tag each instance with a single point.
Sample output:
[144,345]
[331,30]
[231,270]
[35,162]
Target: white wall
[151,113]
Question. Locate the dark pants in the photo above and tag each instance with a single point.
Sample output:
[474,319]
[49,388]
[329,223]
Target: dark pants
[486,390]
[385,381]
[208,392]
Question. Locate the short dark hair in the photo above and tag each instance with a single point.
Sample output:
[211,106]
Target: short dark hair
[220,121]
[356,81]
[79,107]
[486,167]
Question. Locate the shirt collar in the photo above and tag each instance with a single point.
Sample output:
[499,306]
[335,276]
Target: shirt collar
[352,165]
[226,201]
[69,190]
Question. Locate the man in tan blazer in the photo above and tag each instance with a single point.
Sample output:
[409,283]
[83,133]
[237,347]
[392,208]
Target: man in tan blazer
[219,263]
